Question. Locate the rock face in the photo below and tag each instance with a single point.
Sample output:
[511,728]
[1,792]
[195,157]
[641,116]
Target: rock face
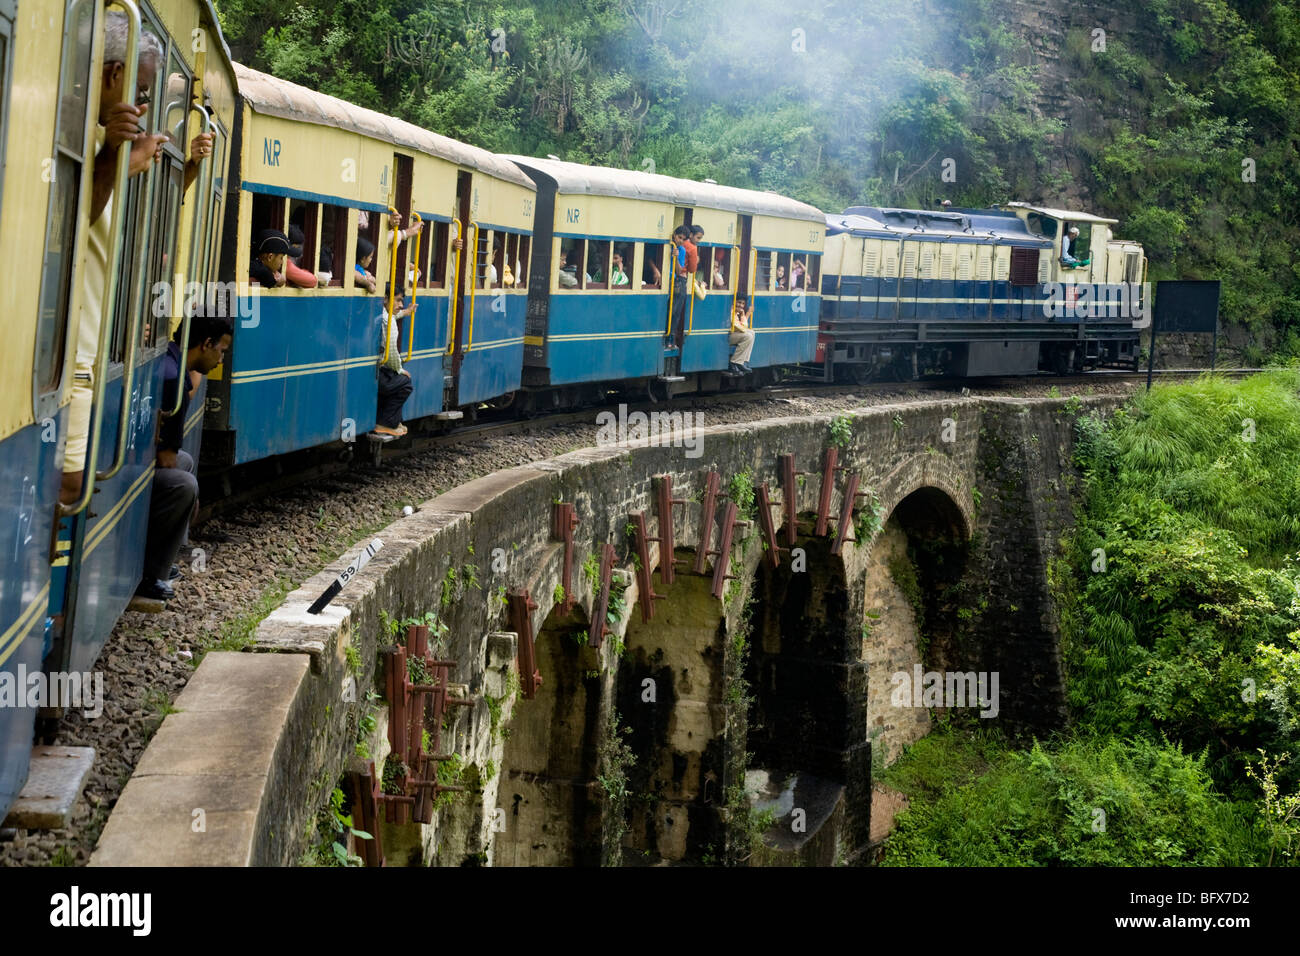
[639,750]
[1060,38]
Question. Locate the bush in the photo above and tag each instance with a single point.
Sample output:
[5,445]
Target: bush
[1085,802]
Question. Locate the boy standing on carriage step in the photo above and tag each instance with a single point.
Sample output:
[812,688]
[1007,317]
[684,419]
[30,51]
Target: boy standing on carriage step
[681,284]
[394,381]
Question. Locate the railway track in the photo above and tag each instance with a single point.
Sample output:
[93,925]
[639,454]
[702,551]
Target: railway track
[228,491]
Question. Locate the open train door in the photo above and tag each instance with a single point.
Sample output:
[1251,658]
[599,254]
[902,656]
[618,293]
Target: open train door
[460,285]
[400,199]
[744,271]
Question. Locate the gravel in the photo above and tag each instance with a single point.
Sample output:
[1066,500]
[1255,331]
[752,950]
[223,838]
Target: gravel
[242,563]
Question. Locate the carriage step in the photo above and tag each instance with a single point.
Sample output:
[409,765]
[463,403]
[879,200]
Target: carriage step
[54,782]
[449,416]
[672,378]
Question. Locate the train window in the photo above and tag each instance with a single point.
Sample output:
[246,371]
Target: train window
[598,265]
[333,256]
[814,279]
[572,254]
[802,274]
[620,266]
[433,253]
[1132,267]
[765,271]
[481,238]
[135,231]
[510,272]
[177,96]
[652,267]
[782,279]
[303,217]
[168,208]
[67,159]
[268,213]
[1081,248]
[522,262]
[496,271]
[720,270]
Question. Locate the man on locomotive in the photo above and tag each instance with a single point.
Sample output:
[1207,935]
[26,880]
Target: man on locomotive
[175,488]
[1068,248]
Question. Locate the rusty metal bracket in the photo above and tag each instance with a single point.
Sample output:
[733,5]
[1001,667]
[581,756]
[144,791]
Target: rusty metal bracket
[645,581]
[664,502]
[829,467]
[597,634]
[790,498]
[723,564]
[564,518]
[520,606]
[399,700]
[769,529]
[851,496]
[367,794]
[712,485]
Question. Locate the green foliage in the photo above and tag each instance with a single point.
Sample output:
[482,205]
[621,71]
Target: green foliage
[615,758]
[1086,802]
[842,431]
[869,519]
[591,570]
[1197,605]
[451,773]
[741,491]
[331,830]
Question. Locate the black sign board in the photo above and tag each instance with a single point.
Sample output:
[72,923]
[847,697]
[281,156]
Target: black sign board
[1187,306]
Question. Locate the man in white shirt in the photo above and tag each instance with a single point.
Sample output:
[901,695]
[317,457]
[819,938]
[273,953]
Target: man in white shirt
[118,123]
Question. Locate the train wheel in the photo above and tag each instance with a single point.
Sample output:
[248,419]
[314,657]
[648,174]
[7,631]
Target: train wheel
[656,391]
[862,374]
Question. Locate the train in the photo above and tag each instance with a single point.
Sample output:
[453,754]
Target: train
[519,304]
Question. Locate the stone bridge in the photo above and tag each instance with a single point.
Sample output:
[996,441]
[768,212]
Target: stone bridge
[793,687]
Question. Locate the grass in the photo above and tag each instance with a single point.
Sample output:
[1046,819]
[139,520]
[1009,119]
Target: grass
[238,632]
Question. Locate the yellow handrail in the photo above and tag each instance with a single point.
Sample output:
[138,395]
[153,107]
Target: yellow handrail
[672,284]
[690,290]
[200,208]
[473,281]
[734,280]
[392,291]
[122,174]
[453,287]
[415,285]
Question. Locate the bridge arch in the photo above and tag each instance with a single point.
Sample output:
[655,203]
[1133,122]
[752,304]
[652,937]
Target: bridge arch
[916,562]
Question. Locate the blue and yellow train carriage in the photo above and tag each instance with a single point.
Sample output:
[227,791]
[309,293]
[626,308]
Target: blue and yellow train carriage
[70,571]
[302,366]
[592,322]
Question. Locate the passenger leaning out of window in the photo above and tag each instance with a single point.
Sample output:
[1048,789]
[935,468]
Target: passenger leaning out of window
[293,270]
[269,252]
